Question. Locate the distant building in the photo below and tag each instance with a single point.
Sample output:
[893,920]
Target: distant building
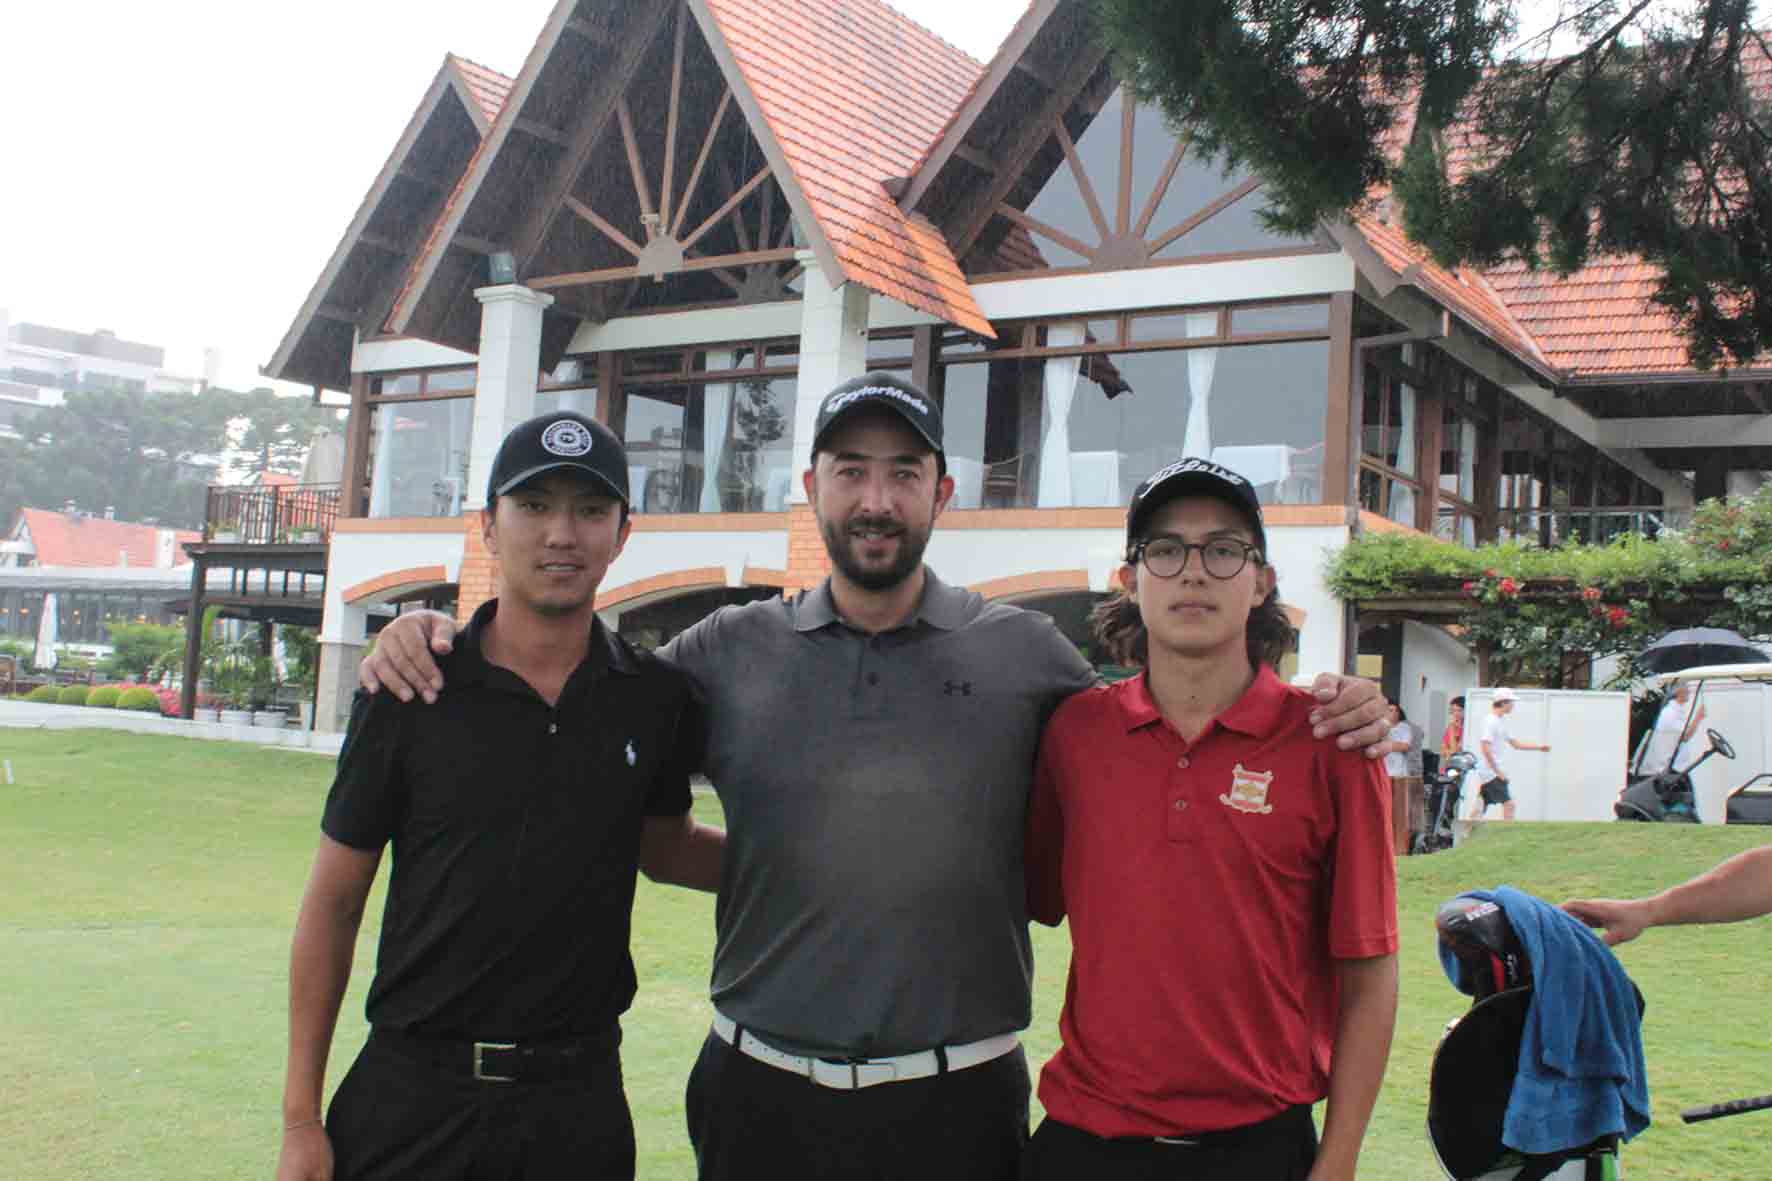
[98,568]
[40,357]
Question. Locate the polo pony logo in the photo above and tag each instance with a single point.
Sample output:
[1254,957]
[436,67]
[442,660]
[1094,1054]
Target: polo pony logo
[957,688]
[1249,791]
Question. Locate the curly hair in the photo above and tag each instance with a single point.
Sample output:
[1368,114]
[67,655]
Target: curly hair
[1119,628]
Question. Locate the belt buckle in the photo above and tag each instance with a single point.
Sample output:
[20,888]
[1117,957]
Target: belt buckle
[480,1073]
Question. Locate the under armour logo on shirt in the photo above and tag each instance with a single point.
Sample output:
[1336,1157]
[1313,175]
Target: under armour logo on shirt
[957,688]
[632,757]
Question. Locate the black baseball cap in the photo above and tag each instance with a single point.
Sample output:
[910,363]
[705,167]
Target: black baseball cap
[880,389]
[561,441]
[1193,477]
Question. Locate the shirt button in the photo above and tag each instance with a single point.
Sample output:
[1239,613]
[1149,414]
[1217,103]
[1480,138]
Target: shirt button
[1181,805]
[1182,762]
[873,678]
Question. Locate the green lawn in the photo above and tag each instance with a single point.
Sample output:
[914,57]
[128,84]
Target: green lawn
[149,885]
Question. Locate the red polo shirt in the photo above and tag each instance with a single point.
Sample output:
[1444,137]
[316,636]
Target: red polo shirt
[1210,886]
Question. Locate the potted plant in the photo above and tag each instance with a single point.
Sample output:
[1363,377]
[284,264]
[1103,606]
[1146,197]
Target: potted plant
[262,693]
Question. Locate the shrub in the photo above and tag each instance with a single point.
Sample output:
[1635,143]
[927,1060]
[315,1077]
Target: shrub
[141,698]
[72,695]
[104,697]
[169,702]
[43,693]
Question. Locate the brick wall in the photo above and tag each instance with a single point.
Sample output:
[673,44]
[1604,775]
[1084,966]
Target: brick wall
[479,571]
[808,564]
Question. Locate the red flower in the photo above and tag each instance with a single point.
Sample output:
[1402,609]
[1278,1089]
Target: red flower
[1470,588]
[1618,617]
[1509,587]
[1723,544]
[1591,594]
[1489,573]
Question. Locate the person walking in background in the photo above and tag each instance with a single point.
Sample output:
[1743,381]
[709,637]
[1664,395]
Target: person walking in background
[1403,764]
[1452,740]
[1675,724]
[1229,880]
[1492,783]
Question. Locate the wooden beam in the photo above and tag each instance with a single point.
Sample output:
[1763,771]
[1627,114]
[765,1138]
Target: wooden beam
[979,160]
[1084,184]
[713,220]
[1123,214]
[384,244]
[1023,65]
[1214,207]
[423,178]
[331,311]
[671,118]
[594,113]
[701,159]
[1155,200]
[970,221]
[476,245]
[1035,225]
[538,130]
[637,169]
[712,263]
[578,26]
[609,231]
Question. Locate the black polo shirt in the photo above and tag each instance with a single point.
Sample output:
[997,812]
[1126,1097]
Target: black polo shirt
[516,831]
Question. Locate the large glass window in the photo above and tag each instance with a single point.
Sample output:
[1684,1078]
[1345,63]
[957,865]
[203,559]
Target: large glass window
[1084,428]
[1390,415]
[1117,189]
[418,457]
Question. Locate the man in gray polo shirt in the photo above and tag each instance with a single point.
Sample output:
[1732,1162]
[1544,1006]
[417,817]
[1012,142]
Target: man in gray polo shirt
[872,741]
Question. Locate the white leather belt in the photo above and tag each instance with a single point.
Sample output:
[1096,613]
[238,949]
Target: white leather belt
[865,1072]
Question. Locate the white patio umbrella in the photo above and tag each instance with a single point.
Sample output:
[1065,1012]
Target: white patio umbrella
[44,657]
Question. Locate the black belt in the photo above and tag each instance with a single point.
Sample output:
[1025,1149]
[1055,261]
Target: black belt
[504,1062]
[1243,1134]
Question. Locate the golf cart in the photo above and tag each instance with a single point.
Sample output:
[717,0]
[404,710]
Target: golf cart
[1666,794]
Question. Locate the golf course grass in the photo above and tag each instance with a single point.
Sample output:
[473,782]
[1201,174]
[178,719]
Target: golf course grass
[148,886]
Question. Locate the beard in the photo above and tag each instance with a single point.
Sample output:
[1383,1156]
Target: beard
[838,538]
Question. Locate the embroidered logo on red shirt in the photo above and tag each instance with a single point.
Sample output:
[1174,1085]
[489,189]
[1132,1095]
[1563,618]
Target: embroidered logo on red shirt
[1249,791]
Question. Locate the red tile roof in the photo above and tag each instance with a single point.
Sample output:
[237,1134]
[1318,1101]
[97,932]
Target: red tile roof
[61,540]
[489,87]
[855,93]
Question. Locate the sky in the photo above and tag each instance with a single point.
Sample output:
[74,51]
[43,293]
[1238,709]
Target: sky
[179,173]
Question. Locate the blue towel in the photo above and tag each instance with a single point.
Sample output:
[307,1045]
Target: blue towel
[1581,1073]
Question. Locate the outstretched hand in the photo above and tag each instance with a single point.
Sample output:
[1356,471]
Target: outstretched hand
[402,661]
[1621,920]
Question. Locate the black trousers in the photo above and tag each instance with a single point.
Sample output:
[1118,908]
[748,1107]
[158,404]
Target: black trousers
[749,1120]
[1279,1149]
[395,1117]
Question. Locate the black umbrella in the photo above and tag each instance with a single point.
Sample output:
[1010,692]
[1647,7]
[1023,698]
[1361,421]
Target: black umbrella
[1694,646]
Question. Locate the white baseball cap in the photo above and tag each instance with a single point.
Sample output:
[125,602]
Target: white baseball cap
[1505,694]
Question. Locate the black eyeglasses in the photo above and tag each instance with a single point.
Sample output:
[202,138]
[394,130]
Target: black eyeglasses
[1167,557]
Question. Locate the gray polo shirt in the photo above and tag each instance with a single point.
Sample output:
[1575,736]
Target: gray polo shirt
[875,789]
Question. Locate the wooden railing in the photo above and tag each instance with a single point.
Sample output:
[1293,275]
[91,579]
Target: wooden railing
[295,514]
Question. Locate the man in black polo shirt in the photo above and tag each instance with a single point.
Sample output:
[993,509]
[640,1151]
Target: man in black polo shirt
[518,809]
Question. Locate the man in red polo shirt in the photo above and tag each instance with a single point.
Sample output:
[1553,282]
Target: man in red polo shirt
[1229,880]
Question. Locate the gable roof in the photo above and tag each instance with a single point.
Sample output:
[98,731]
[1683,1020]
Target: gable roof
[63,540]
[361,278]
[854,92]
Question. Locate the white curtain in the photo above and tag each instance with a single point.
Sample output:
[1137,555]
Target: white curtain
[44,657]
[716,414]
[1055,428]
[1403,497]
[1196,441]
[382,480]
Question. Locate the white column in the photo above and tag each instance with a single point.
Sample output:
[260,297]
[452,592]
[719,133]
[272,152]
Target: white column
[509,370]
[833,349]
[343,641]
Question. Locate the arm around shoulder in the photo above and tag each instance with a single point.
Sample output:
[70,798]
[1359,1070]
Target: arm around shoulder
[677,851]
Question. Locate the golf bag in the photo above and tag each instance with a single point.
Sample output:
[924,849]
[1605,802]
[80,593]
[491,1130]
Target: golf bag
[1445,789]
[1473,1071]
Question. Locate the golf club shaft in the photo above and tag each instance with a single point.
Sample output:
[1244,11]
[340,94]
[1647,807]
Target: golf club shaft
[1693,1115]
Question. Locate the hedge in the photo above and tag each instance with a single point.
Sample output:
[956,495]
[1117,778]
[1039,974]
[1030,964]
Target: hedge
[104,697]
[72,695]
[43,693]
[139,698]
